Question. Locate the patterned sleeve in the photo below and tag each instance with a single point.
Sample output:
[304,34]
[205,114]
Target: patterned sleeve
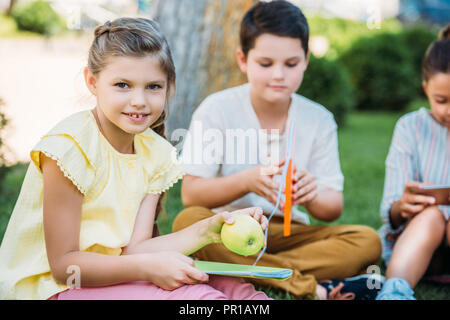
[70,157]
[400,168]
[165,168]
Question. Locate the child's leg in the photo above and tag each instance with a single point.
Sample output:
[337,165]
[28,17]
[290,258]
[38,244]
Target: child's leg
[415,246]
[320,252]
[299,284]
[447,232]
[142,291]
[236,288]
[327,252]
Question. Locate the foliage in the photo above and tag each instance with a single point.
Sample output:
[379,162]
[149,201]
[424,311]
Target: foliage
[327,82]
[384,63]
[342,33]
[416,104]
[417,38]
[7,25]
[3,123]
[38,16]
[381,70]
[11,179]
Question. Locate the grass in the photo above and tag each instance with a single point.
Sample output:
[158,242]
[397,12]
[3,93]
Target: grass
[11,181]
[363,147]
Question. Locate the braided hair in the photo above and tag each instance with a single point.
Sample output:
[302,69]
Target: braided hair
[136,37]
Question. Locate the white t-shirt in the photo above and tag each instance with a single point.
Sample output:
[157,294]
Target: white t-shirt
[225,137]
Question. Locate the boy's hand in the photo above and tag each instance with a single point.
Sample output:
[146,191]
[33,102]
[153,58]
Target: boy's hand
[259,180]
[304,189]
[412,203]
[216,222]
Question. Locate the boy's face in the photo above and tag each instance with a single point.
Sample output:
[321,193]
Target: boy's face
[274,67]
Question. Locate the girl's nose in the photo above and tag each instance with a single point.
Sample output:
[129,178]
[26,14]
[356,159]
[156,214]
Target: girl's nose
[138,99]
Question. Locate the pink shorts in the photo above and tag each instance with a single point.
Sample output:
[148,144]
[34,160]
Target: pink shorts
[218,288]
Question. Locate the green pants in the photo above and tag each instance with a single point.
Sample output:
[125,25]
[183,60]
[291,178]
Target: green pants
[314,253]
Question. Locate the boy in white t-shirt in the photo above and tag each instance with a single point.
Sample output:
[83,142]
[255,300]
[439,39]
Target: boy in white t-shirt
[233,156]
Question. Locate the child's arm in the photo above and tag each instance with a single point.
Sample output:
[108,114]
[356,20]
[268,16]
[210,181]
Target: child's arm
[399,203]
[185,241]
[216,192]
[409,205]
[324,205]
[62,221]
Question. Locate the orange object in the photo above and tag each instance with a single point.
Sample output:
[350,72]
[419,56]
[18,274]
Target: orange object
[288,201]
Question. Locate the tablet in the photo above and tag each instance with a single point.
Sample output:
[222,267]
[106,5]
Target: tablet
[440,192]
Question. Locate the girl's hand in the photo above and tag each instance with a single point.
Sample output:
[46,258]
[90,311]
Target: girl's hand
[170,270]
[259,180]
[304,189]
[216,222]
[412,203]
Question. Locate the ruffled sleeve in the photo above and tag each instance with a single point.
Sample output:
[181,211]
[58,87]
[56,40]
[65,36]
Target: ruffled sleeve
[69,157]
[72,144]
[160,162]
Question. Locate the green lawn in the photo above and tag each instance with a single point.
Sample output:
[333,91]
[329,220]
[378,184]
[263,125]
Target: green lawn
[363,146]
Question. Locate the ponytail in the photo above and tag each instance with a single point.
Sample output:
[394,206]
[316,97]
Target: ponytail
[437,57]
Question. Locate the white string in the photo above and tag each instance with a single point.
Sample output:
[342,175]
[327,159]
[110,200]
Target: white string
[282,186]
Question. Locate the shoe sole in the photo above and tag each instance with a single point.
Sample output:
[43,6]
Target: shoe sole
[373,276]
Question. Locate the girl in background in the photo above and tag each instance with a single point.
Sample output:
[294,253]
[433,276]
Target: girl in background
[415,228]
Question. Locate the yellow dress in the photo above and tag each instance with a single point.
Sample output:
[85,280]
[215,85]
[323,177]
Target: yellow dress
[113,185]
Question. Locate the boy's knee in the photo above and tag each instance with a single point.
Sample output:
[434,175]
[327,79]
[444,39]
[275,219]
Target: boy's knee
[190,216]
[369,244]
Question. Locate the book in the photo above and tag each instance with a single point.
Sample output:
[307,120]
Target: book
[241,270]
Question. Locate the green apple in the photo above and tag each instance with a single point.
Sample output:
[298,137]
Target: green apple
[244,236]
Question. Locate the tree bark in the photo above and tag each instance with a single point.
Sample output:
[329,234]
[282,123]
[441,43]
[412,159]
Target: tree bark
[203,36]
[10,7]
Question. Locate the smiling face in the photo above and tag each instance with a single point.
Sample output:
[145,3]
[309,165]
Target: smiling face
[131,93]
[437,89]
[274,67]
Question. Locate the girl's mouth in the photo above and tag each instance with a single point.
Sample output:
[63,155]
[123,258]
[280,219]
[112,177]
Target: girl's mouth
[135,117]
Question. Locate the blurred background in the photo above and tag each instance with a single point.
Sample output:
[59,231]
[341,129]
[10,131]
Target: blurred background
[365,67]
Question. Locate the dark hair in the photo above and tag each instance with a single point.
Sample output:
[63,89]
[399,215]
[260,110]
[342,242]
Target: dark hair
[437,57]
[279,17]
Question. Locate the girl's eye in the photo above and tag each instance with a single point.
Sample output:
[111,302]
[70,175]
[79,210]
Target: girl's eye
[291,65]
[154,86]
[121,85]
[265,65]
[441,101]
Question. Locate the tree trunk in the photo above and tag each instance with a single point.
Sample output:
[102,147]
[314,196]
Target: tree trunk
[10,7]
[203,36]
